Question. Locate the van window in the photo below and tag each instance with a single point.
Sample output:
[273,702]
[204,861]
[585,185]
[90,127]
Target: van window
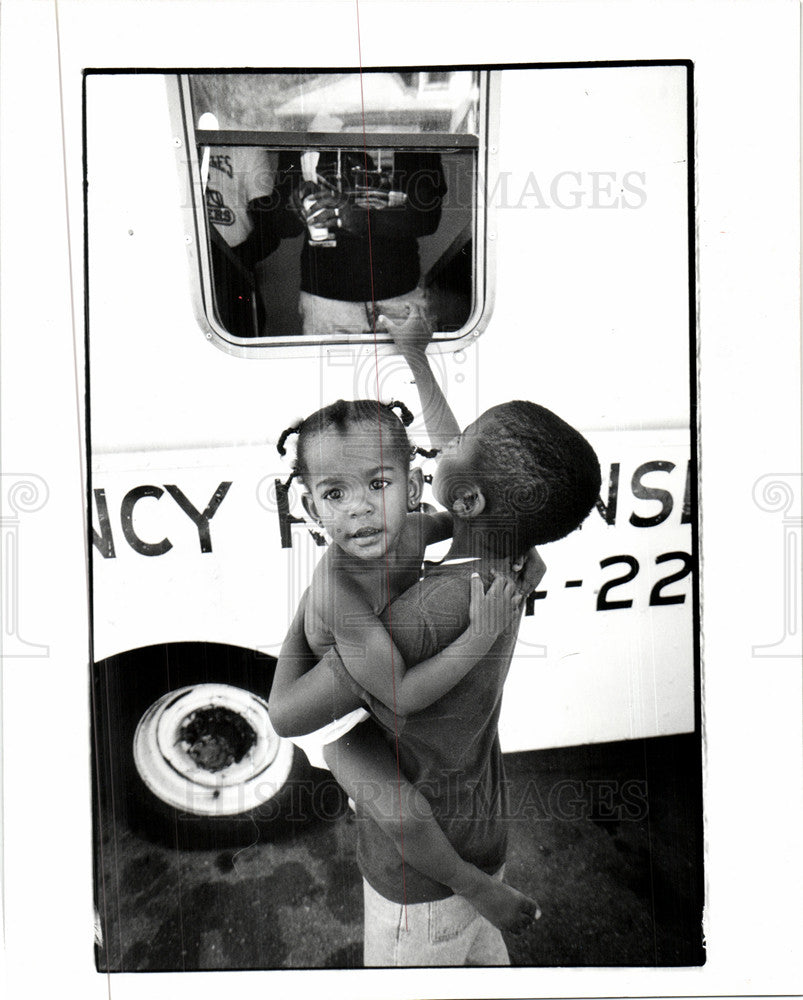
[323,200]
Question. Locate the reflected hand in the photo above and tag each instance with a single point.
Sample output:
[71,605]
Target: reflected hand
[336,214]
[316,205]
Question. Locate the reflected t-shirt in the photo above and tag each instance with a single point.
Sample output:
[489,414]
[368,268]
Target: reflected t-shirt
[356,269]
[237,176]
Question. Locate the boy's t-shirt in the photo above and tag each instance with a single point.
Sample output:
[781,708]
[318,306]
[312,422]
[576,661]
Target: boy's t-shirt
[449,751]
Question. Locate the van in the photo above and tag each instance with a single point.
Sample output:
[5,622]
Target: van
[556,261]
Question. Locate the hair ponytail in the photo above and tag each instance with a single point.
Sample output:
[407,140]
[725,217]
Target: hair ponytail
[404,414]
[284,436]
[344,413]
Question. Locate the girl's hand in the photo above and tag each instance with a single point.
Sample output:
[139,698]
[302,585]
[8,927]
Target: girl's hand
[412,334]
[493,613]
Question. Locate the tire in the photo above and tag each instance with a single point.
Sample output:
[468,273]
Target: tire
[185,752]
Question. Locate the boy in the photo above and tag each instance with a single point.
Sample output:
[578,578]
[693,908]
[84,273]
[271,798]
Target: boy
[517,477]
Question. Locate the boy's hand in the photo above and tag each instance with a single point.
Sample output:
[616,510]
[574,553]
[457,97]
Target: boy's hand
[411,335]
[529,570]
[493,613]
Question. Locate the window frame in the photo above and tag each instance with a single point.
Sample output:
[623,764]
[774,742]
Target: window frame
[186,139]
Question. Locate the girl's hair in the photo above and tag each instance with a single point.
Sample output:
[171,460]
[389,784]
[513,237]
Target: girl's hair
[345,414]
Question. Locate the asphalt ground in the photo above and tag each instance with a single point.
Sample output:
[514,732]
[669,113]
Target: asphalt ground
[607,838]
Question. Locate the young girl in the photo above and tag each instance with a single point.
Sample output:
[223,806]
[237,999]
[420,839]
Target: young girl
[354,461]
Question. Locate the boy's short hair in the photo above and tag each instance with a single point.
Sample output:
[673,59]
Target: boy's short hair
[540,477]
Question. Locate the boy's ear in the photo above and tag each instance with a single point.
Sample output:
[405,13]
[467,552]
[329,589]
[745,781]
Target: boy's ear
[309,506]
[415,487]
[469,502]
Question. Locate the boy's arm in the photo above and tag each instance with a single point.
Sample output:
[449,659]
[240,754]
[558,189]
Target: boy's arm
[304,696]
[411,336]
[375,663]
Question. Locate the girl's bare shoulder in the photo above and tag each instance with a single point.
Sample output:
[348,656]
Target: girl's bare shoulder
[322,576]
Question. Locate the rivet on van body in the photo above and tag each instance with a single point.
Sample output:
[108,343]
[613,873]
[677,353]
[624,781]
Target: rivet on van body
[188,240]
[177,142]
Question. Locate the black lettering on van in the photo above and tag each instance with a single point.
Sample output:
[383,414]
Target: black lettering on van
[103,542]
[201,521]
[642,492]
[127,518]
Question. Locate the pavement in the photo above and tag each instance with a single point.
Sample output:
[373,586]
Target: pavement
[607,838]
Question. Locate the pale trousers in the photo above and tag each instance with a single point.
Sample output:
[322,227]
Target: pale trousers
[321,317]
[444,932]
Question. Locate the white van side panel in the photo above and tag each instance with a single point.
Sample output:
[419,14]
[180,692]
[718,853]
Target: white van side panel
[588,213]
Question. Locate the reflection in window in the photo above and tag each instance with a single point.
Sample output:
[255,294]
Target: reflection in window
[314,229]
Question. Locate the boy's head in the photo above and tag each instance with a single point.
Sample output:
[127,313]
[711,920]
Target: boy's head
[521,475]
[354,460]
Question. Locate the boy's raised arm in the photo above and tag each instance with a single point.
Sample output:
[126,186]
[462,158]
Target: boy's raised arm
[411,336]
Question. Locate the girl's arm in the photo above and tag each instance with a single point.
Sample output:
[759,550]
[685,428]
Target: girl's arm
[304,697]
[373,660]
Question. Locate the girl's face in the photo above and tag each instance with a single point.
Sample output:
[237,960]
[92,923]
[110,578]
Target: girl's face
[359,493]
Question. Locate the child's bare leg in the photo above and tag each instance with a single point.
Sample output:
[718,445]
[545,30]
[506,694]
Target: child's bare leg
[364,767]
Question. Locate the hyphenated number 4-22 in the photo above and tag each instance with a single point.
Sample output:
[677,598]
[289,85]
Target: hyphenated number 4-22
[657,597]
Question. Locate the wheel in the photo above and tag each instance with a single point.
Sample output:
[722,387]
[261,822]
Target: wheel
[186,754]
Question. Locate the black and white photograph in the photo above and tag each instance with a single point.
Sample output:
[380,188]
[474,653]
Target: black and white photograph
[388,372]
[394,766]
